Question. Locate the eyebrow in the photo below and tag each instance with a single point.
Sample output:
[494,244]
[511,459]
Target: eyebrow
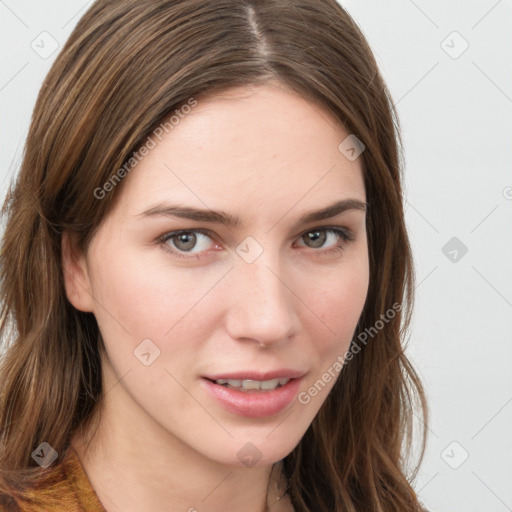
[221,217]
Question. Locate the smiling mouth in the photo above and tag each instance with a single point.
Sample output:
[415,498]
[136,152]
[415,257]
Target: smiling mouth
[254,398]
[249,385]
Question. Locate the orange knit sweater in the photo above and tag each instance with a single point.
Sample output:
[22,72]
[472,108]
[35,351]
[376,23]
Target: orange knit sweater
[65,489]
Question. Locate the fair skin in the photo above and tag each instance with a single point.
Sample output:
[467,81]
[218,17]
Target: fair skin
[267,156]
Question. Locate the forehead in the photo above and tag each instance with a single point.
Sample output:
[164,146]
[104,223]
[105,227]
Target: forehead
[258,148]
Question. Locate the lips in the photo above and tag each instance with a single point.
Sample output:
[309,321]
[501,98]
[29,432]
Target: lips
[254,402]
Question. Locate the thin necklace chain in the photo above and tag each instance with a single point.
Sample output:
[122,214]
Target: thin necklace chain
[267,506]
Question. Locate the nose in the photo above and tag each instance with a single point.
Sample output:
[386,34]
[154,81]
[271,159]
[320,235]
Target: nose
[262,303]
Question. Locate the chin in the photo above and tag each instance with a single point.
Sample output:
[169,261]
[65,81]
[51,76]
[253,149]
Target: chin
[253,446]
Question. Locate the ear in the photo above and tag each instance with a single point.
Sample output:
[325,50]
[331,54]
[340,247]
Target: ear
[75,273]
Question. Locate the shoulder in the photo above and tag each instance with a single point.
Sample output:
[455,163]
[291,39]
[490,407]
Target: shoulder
[62,488]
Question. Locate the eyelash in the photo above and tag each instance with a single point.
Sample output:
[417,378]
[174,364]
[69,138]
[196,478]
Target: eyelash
[344,236]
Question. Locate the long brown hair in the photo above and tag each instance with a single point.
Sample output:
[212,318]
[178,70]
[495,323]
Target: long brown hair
[127,66]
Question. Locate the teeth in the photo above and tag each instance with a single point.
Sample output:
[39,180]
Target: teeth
[269,384]
[250,385]
[233,383]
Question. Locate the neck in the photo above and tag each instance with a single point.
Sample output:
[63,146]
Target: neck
[143,467]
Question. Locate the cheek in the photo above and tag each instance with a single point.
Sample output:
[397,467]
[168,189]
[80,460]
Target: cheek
[140,298]
[338,303]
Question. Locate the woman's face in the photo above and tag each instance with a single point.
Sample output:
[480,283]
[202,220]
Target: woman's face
[273,296]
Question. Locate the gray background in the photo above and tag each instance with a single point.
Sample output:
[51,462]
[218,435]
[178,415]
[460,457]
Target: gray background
[455,108]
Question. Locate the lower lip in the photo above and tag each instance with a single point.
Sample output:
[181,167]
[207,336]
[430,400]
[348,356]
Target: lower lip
[254,404]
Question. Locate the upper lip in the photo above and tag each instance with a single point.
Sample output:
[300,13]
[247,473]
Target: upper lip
[284,373]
